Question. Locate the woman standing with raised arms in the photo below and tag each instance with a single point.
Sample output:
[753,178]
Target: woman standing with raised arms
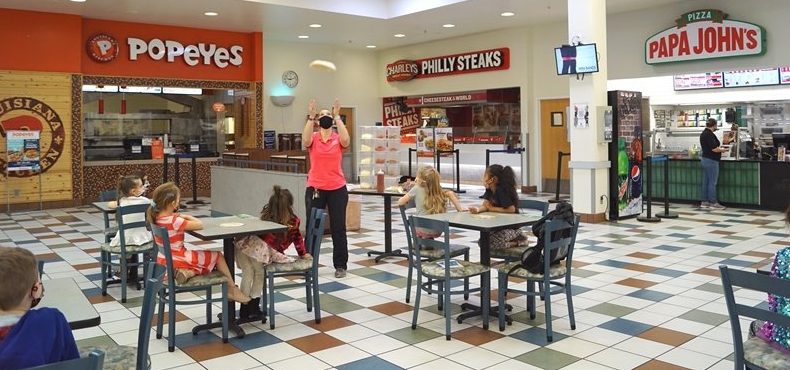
[326,183]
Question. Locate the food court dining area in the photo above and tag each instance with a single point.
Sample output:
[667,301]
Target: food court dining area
[644,295]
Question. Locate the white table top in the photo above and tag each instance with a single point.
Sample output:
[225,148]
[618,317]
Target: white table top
[65,295]
[486,221]
[104,207]
[233,226]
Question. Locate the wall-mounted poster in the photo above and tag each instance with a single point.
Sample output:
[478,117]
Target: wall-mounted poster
[426,142]
[581,116]
[23,150]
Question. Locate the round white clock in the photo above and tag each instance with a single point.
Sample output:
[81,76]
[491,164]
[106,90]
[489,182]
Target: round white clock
[290,79]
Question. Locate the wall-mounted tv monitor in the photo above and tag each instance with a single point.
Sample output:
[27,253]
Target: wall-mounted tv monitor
[572,60]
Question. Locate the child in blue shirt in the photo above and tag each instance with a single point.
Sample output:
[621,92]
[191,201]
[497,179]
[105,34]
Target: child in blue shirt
[28,337]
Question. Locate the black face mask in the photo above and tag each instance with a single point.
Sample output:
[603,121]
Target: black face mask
[36,301]
[326,122]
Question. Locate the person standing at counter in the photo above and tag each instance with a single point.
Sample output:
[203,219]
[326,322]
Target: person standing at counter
[326,183]
[711,156]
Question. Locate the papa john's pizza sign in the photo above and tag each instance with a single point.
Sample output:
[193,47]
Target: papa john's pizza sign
[30,114]
[705,34]
[470,62]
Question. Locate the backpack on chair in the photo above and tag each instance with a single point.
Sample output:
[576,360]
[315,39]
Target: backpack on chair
[532,258]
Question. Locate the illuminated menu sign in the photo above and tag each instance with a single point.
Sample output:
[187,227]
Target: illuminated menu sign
[710,80]
[751,77]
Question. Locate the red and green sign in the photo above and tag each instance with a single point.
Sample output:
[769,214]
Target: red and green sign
[705,34]
[471,62]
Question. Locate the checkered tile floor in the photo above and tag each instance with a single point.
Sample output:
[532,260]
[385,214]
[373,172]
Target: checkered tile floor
[647,296]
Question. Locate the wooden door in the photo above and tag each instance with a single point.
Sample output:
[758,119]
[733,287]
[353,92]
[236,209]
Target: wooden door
[554,138]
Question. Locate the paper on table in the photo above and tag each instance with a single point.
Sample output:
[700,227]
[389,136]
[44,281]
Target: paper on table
[485,217]
[231,224]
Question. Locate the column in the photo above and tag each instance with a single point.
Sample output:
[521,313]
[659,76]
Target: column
[589,163]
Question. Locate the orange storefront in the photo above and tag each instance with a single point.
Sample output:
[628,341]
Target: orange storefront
[99,91]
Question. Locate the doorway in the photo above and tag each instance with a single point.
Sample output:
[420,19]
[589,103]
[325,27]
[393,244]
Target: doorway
[553,139]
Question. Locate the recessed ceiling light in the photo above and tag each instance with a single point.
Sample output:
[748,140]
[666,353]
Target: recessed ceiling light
[211,14]
[507,14]
[399,35]
[304,37]
[315,25]
[370,46]
[78,1]
[448,25]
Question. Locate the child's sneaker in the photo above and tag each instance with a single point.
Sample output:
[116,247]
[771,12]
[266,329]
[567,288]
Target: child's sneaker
[716,206]
[704,205]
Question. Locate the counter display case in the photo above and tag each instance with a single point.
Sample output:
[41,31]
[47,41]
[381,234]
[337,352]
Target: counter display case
[379,149]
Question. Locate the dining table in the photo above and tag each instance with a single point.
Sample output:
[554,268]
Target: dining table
[485,223]
[65,295]
[387,195]
[227,228]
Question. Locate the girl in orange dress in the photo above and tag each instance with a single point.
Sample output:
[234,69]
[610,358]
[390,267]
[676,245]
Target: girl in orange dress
[186,262]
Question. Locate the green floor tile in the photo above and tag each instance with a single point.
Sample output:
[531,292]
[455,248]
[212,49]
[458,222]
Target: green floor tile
[705,317]
[610,309]
[413,336]
[365,271]
[335,305]
[710,287]
[95,341]
[580,272]
[523,317]
[720,254]
[548,359]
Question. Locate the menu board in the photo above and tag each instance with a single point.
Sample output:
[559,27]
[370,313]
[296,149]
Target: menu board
[709,80]
[751,77]
[784,75]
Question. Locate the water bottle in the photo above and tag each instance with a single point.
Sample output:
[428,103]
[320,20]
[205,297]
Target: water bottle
[380,181]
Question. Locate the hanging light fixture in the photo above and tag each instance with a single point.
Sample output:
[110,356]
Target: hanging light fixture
[101,100]
[123,99]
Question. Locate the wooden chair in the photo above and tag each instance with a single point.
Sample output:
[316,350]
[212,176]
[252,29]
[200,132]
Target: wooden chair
[124,251]
[755,352]
[441,272]
[562,271]
[94,361]
[167,295]
[307,269]
[429,254]
[514,253]
[128,357]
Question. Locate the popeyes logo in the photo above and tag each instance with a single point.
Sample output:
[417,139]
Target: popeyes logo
[29,114]
[104,48]
[704,34]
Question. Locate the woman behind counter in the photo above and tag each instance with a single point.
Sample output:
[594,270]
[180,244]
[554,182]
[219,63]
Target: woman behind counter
[711,156]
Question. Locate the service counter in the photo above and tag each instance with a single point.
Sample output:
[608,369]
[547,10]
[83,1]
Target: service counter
[747,183]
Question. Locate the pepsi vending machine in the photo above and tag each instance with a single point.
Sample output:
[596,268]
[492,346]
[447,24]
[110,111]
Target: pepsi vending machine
[625,153]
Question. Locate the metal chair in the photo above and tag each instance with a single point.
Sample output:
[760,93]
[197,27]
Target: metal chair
[557,245]
[429,254]
[443,271]
[94,361]
[305,268]
[123,251]
[128,357]
[514,253]
[108,196]
[167,295]
[755,353]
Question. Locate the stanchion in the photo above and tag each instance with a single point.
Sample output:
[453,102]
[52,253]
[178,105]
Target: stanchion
[649,193]
[557,198]
[176,172]
[194,182]
[667,213]
[410,151]
[457,172]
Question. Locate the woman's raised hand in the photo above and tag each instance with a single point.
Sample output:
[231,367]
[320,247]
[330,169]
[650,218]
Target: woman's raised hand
[336,107]
[311,108]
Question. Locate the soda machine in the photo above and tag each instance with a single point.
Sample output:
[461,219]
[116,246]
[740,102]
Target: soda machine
[626,155]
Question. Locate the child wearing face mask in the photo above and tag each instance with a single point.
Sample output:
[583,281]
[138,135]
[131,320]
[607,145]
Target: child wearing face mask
[130,192]
[28,337]
[144,179]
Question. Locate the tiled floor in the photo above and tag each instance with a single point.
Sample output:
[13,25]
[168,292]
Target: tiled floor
[647,296]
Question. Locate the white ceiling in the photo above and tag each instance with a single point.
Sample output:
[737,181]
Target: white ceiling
[350,23]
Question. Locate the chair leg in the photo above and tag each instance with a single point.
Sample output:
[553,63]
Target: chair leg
[225,313]
[264,299]
[271,301]
[145,271]
[547,297]
[317,299]
[446,296]
[531,299]
[124,274]
[104,267]
[440,304]
[502,283]
[171,324]
[161,317]
[208,305]
[308,287]
[417,295]
[466,280]
[569,297]
[487,299]
[408,281]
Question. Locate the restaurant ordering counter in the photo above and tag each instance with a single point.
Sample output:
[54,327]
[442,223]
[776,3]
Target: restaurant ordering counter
[747,183]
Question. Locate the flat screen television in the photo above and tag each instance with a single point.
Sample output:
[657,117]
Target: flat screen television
[571,60]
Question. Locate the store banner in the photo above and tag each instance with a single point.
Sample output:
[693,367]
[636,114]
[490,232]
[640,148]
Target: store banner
[397,113]
[23,150]
[445,99]
[705,34]
[469,62]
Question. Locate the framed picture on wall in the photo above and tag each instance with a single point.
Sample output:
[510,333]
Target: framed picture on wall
[557,119]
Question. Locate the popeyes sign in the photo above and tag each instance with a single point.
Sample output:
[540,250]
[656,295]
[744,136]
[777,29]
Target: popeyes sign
[104,48]
[705,34]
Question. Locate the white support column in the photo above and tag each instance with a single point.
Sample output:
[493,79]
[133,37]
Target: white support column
[589,163]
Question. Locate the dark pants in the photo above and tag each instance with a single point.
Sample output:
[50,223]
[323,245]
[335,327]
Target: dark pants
[336,201]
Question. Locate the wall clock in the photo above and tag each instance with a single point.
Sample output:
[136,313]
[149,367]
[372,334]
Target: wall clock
[290,79]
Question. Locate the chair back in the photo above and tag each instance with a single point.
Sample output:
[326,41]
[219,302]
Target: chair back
[108,195]
[752,281]
[532,204]
[441,243]
[94,361]
[162,242]
[415,259]
[122,213]
[315,233]
[40,268]
[559,239]
[153,283]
